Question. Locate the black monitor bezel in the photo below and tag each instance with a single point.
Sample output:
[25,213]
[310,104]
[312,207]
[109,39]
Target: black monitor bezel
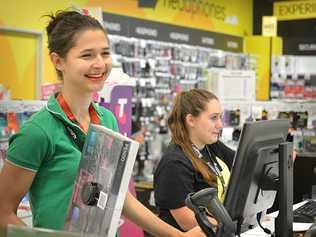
[256,141]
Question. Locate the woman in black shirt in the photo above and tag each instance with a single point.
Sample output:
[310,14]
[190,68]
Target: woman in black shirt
[195,159]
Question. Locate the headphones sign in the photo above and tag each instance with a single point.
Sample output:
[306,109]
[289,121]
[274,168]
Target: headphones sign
[293,10]
[198,8]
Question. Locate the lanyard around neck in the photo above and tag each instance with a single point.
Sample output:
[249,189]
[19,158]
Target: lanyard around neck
[93,116]
[65,107]
[212,164]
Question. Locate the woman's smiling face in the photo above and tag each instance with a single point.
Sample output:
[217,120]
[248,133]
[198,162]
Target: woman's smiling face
[88,63]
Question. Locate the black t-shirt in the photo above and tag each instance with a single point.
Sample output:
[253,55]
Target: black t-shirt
[175,177]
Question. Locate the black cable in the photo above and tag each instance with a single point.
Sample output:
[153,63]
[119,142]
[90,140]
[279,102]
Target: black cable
[266,230]
[239,223]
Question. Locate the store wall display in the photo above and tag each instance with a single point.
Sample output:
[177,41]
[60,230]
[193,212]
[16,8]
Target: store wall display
[150,30]
[299,120]
[293,77]
[162,69]
[231,118]
[302,115]
[296,26]
[12,115]
[304,140]
[232,84]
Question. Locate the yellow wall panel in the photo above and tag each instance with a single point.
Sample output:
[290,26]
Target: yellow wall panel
[259,47]
[20,52]
[277,46]
[8,69]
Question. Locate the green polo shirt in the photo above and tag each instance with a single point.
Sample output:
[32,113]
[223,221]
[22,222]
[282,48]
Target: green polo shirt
[43,145]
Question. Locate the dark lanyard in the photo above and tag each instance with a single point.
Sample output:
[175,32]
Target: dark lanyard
[217,168]
[212,164]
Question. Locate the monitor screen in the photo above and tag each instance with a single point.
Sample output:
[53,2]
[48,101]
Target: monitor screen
[257,156]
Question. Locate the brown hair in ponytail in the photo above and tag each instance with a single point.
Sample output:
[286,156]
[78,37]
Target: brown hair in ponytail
[190,102]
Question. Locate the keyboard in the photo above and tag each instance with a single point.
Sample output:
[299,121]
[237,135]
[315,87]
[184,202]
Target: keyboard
[305,213]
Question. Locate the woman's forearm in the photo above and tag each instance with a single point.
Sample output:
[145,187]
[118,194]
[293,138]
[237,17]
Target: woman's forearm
[148,221]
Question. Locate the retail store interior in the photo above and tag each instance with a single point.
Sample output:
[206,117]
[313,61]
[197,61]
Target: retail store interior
[257,56]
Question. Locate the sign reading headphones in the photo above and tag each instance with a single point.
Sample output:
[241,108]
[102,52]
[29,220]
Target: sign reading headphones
[292,10]
[201,7]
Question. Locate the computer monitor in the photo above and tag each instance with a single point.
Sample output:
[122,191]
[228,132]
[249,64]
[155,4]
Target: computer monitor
[256,167]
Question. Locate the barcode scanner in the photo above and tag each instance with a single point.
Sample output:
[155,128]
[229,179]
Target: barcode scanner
[206,199]
[90,193]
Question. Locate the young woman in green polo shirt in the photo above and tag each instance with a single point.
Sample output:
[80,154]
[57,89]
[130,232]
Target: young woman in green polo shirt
[42,158]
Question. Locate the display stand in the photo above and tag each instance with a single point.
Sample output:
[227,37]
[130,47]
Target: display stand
[116,96]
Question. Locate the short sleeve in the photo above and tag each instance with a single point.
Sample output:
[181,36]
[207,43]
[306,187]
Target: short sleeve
[114,124]
[173,182]
[28,147]
[108,119]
